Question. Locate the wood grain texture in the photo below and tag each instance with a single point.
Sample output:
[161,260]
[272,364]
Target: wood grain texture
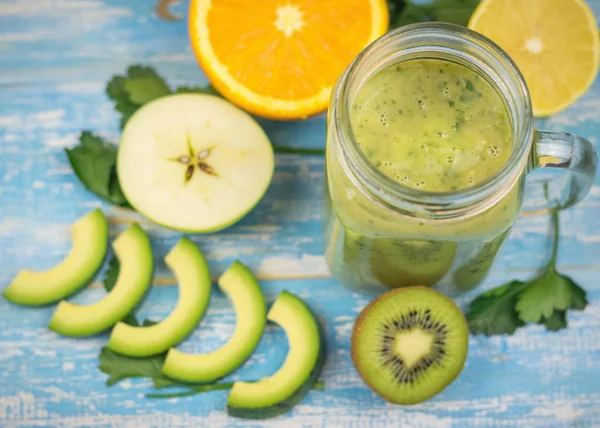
[55,59]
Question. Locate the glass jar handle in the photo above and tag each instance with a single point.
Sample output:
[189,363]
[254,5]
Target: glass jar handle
[561,150]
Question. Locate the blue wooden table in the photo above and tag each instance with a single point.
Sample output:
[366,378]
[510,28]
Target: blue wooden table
[55,59]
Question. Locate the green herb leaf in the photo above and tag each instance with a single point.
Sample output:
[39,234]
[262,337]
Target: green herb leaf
[208,90]
[494,312]
[297,150]
[110,279]
[139,86]
[404,12]
[543,300]
[93,161]
[551,292]
[193,391]
[543,296]
[556,321]
[119,367]
[410,14]
[578,295]
[112,274]
[143,90]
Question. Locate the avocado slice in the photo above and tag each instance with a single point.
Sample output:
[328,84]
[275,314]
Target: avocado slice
[193,276]
[90,239]
[275,395]
[243,289]
[134,252]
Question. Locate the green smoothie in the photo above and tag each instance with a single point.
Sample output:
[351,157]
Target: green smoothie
[430,125]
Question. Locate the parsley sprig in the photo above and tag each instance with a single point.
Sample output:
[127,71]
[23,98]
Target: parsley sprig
[94,162]
[141,85]
[543,300]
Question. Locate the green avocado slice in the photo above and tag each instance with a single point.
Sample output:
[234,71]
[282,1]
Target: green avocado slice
[193,276]
[243,289]
[90,239]
[275,395]
[134,252]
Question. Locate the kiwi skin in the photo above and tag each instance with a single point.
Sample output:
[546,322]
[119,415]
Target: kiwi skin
[358,328]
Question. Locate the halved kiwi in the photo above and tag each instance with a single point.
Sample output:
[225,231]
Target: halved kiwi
[409,344]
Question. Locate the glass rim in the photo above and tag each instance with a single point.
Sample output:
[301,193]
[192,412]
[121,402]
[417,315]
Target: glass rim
[443,204]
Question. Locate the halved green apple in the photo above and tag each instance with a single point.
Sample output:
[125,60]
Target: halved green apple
[194,162]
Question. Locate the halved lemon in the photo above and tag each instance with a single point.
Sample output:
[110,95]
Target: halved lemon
[280,58]
[555,44]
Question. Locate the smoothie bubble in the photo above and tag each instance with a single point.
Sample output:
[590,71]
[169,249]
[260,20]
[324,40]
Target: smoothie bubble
[494,150]
[383,118]
[471,178]
[403,178]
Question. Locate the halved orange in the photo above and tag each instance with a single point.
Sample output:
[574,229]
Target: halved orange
[555,44]
[280,58]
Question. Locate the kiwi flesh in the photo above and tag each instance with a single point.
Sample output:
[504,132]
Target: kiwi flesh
[409,344]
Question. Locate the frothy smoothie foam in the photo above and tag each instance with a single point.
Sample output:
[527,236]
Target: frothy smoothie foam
[432,125]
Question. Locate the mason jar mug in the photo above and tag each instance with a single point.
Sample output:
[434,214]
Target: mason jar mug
[380,234]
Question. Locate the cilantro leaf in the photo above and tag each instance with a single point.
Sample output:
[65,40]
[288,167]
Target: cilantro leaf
[119,367]
[578,295]
[543,296]
[543,300]
[193,391]
[556,321]
[551,292]
[110,279]
[208,89]
[116,88]
[145,89]
[139,86]
[494,312]
[112,274]
[139,72]
[126,108]
[404,12]
[93,161]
